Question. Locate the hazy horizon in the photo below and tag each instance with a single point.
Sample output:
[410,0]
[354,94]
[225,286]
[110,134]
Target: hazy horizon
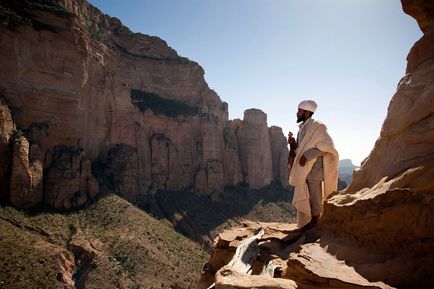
[270,54]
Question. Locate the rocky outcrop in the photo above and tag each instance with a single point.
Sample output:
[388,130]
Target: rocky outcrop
[317,267]
[231,158]
[377,232]
[85,252]
[406,136]
[237,273]
[140,113]
[280,257]
[255,149]
[279,155]
[422,11]
[121,172]
[228,279]
[26,176]
[69,181]
[254,154]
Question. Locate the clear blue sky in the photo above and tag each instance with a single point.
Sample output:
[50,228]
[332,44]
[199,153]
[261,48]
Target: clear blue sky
[348,55]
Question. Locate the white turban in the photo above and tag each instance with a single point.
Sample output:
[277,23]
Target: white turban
[308,105]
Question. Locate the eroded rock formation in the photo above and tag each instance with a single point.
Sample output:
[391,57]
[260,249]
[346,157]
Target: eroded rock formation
[255,149]
[231,160]
[68,178]
[379,230]
[26,176]
[141,116]
[280,257]
[279,155]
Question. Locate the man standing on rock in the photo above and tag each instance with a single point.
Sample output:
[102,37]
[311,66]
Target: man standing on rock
[313,165]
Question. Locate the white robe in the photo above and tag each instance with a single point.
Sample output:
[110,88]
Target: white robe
[316,136]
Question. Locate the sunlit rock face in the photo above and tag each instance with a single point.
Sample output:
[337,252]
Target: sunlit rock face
[279,155]
[255,149]
[142,117]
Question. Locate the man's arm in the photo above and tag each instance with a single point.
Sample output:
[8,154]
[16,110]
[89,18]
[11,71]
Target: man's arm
[310,154]
[292,147]
[291,158]
[313,153]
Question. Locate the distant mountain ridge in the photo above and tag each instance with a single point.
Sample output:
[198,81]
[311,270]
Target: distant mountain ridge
[346,168]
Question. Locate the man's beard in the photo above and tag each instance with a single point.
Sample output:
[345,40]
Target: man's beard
[300,119]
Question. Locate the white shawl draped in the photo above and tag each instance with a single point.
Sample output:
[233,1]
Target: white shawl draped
[316,136]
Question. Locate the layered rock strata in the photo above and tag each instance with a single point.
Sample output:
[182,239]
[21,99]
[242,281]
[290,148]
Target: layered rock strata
[143,117]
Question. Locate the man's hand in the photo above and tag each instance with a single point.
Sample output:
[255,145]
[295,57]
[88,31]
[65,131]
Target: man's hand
[302,161]
[291,157]
[291,139]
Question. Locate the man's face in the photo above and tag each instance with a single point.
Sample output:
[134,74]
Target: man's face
[301,115]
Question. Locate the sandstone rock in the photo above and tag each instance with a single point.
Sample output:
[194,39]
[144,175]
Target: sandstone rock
[255,150]
[212,149]
[228,279]
[68,179]
[79,78]
[237,273]
[422,11]
[65,276]
[122,172]
[229,240]
[84,255]
[406,135]
[27,174]
[390,223]
[314,267]
[231,159]
[294,260]
[279,155]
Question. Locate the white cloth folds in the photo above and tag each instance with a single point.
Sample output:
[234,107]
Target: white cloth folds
[316,136]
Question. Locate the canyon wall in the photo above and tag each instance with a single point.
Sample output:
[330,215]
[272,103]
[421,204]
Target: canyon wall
[89,106]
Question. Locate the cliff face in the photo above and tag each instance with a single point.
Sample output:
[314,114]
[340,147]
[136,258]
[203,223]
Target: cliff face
[380,228]
[130,114]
